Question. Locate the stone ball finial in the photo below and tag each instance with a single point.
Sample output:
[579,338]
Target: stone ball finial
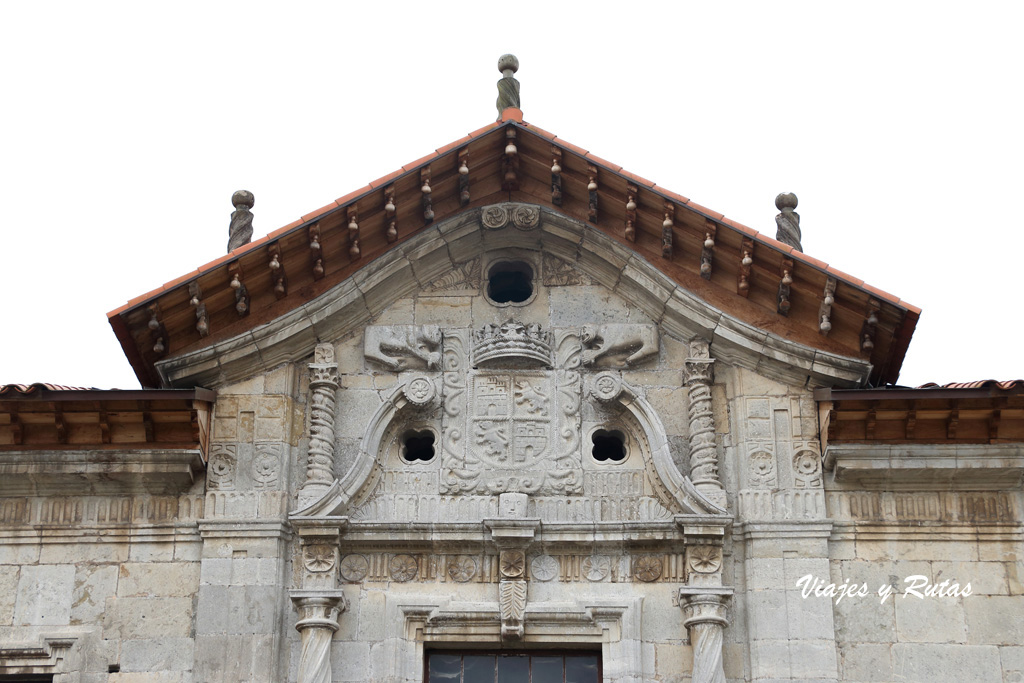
[785,200]
[243,198]
[508,65]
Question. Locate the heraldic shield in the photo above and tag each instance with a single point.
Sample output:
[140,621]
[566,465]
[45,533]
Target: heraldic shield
[510,430]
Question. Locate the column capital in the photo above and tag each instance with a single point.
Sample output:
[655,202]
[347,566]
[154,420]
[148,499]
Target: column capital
[318,608]
[705,605]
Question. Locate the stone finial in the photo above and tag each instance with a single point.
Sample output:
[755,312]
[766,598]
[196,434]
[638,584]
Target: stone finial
[508,86]
[240,231]
[788,221]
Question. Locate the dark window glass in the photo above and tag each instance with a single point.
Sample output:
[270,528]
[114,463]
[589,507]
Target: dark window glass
[581,669]
[543,667]
[547,670]
[418,446]
[513,669]
[478,669]
[445,667]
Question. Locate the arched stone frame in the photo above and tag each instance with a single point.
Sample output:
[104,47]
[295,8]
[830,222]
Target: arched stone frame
[675,491]
[415,264]
[417,622]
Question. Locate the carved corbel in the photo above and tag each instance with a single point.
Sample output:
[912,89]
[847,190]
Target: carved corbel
[157,332]
[870,326]
[512,534]
[667,233]
[630,230]
[785,289]
[241,292]
[277,277]
[390,216]
[592,193]
[510,162]
[316,253]
[195,298]
[354,250]
[707,253]
[463,159]
[425,192]
[556,176]
[746,263]
[828,298]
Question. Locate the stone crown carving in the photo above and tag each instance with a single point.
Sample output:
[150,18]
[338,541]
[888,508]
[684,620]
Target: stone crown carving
[511,343]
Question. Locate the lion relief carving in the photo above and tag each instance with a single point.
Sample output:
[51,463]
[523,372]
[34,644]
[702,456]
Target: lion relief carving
[618,346]
[400,347]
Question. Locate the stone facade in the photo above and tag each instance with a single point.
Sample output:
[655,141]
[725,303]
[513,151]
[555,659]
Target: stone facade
[607,464]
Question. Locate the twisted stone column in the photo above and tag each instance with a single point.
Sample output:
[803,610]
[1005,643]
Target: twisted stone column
[788,222]
[705,617]
[319,612]
[323,385]
[240,230]
[703,452]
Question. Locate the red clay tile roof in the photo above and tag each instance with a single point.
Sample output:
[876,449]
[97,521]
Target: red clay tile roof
[125,321]
[24,389]
[1006,385]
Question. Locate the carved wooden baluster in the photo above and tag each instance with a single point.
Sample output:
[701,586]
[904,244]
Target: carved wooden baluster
[785,287]
[630,231]
[390,216]
[195,294]
[510,162]
[241,292]
[667,233]
[353,232]
[277,277]
[870,326]
[157,333]
[556,176]
[463,176]
[707,252]
[592,193]
[428,209]
[828,298]
[746,262]
[316,252]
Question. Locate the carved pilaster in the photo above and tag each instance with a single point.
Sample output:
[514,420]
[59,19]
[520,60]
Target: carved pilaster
[318,620]
[703,452]
[705,616]
[323,386]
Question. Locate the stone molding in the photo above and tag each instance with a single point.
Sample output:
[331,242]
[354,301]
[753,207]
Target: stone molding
[942,467]
[48,655]
[417,264]
[156,471]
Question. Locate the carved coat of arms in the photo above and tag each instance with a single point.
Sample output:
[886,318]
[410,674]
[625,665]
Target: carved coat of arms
[510,425]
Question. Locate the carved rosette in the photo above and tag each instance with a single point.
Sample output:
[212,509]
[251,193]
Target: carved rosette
[703,452]
[705,617]
[420,391]
[521,216]
[323,386]
[318,620]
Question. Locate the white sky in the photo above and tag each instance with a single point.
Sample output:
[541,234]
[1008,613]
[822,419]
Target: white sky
[125,128]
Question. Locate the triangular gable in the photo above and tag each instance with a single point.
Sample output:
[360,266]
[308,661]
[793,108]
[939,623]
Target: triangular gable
[746,275]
